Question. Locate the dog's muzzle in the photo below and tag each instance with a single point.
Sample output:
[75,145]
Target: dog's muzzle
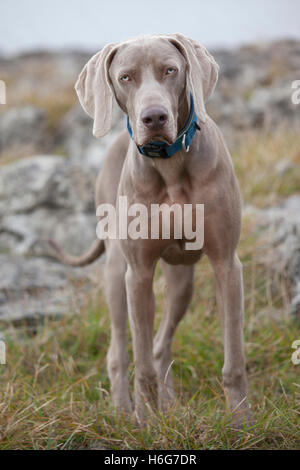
[183,140]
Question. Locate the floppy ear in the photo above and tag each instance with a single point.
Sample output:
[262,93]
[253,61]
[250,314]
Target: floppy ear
[94,90]
[202,71]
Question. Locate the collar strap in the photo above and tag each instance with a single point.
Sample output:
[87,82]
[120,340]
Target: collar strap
[183,140]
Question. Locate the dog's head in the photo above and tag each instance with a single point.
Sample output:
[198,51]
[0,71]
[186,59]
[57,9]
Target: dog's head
[151,78]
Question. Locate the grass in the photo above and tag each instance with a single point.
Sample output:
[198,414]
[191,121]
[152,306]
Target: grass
[255,158]
[54,390]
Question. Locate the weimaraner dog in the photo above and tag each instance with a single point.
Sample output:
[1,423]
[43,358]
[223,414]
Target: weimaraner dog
[162,83]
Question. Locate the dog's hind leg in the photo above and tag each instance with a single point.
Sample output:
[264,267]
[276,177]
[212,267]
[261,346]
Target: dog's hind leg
[117,357]
[179,290]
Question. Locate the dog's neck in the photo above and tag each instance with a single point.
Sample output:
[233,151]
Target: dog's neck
[173,170]
[172,173]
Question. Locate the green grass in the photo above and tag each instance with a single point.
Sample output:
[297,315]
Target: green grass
[54,390]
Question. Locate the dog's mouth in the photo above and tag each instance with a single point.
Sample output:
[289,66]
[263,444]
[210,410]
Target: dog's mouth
[157,138]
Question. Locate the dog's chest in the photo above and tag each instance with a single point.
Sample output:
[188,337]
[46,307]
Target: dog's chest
[175,185]
[176,194]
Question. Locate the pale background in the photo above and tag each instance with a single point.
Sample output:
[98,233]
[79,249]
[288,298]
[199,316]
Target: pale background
[88,24]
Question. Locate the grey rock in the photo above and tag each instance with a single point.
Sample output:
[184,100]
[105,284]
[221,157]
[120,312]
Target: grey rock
[25,234]
[23,126]
[32,310]
[45,181]
[40,198]
[2,298]
[274,103]
[71,187]
[295,303]
[283,166]
[31,288]
[20,274]
[283,226]
[76,137]
[24,184]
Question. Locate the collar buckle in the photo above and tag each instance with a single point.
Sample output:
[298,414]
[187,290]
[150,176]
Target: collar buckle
[185,147]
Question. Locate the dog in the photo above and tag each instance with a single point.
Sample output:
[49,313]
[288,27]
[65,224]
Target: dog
[171,152]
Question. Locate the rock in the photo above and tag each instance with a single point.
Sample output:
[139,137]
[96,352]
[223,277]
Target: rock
[295,303]
[274,103]
[24,185]
[231,112]
[45,181]
[76,132]
[72,187]
[23,126]
[283,166]
[230,67]
[30,274]
[23,234]
[31,288]
[2,298]
[76,137]
[283,226]
[33,310]
[40,198]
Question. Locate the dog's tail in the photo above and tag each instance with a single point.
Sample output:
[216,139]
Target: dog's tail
[91,255]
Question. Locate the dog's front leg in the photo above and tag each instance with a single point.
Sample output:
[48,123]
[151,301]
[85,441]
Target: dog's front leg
[139,281]
[231,306]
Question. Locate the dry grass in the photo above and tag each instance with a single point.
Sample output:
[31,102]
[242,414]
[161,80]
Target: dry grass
[55,390]
[256,158]
[55,105]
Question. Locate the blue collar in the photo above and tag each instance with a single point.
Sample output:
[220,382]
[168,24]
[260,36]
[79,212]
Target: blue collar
[183,140]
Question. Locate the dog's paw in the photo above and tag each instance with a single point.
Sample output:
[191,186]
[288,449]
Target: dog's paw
[242,418]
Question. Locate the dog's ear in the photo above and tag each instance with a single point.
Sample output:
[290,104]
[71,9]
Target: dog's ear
[202,71]
[95,92]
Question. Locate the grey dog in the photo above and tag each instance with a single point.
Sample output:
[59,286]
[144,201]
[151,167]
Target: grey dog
[154,79]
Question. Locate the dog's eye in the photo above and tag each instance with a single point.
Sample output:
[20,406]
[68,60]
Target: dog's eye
[171,70]
[125,78]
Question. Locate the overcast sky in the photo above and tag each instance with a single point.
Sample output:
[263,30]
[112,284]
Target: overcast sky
[88,24]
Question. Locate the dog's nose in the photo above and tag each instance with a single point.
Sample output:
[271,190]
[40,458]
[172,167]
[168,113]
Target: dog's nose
[154,117]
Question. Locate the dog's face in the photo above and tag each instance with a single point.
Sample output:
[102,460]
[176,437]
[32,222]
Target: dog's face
[151,78]
[149,83]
